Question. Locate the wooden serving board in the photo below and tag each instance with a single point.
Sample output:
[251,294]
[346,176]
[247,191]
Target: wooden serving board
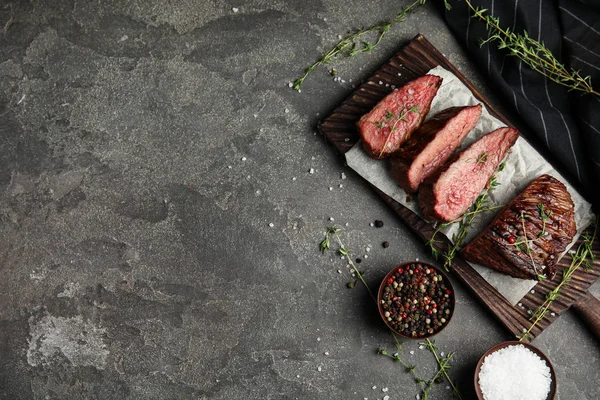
[412,61]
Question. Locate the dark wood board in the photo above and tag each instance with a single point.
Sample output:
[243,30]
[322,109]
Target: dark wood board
[414,60]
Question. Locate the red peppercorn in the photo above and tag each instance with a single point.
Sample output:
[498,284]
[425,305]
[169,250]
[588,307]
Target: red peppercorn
[511,240]
[448,291]
[391,280]
[400,270]
[429,312]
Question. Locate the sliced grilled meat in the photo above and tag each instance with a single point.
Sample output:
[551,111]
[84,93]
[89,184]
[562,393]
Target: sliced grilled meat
[449,194]
[394,118]
[431,145]
[527,237]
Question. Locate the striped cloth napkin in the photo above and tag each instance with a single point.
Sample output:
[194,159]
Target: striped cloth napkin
[566,122]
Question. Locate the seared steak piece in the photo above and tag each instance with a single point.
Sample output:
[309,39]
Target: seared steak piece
[394,118]
[431,145]
[448,194]
[543,214]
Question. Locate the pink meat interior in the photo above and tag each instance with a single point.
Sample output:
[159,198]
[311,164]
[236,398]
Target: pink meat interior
[458,187]
[444,144]
[388,123]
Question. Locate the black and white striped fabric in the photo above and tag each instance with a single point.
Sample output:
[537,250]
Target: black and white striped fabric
[567,122]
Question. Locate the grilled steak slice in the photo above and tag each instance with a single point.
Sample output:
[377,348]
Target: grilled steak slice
[394,118]
[450,193]
[431,145]
[544,214]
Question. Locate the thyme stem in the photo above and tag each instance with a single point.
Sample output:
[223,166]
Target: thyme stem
[533,53]
[584,250]
[348,45]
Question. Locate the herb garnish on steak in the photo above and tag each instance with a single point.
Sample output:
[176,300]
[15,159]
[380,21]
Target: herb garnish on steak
[528,236]
[391,122]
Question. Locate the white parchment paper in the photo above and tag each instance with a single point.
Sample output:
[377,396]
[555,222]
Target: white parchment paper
[523,164]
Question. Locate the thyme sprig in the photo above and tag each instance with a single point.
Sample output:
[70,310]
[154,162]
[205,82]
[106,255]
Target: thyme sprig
[528,251]
[443,367]
[351,44]
[443,363]
[343,251]
[465,222]
[401,117]
[531,52]
[545,216]
[581,258]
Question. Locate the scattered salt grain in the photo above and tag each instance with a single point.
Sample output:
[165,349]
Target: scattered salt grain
[229,166]
[341,186]
[319,368]
[368,249]
[371,224]
[330,188]
[235,9]
[399,74]
[553,314]
[325,19]
[520,304]
[294,178]
[343,175]
[326,353]
[346,224]
[290,84]
[346,139]
[386,397]
[271,224]
[515,373]
[380,82]
[244,158]
[365,256]
[287,110]
[442,354]
[418,397]
[339,271]
[374,387]
[532,292]
[411,91]
[311,171]
[412,352]
[447,387]
[421,347]
[331,219]
[297,376]
[387,85]
[384,389]
[318,339]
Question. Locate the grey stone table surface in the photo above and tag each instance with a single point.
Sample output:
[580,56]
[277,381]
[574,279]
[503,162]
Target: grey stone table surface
[159,226]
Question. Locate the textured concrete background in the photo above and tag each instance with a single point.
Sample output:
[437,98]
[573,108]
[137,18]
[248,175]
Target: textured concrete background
[145,149]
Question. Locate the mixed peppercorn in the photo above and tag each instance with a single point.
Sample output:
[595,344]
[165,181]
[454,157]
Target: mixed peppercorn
[416,301]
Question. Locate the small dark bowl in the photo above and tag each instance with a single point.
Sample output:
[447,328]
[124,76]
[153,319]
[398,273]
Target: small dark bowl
[447,283]
[513,343]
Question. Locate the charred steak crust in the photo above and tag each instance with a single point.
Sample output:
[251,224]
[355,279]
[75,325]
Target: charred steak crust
[449,193]
[493,248]
[431,145]
[387,126]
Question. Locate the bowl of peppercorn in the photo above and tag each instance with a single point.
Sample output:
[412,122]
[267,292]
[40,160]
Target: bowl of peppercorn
[416,300]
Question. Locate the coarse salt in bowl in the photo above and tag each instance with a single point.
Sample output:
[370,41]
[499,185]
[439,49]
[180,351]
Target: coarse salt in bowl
[514,371]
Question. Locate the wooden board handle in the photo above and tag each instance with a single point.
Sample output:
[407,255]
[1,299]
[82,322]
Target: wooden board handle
[588,308]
